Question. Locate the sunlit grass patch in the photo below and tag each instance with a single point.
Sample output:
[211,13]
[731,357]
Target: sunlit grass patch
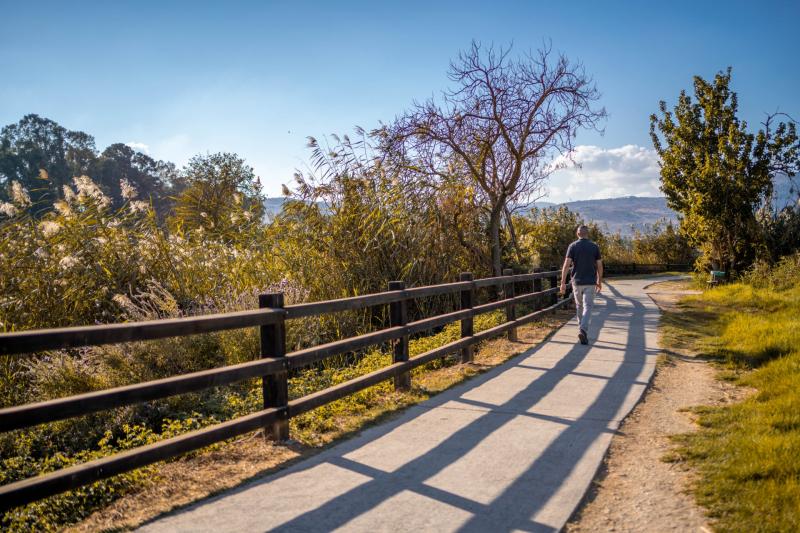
[687,332]
[747,455]
[752,339]
[741,297]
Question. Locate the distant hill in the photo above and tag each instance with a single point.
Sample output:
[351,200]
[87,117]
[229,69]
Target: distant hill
[623,214]
[273,206]
[615,214]
[620,214]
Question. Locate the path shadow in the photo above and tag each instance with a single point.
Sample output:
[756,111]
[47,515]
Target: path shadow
[522,503]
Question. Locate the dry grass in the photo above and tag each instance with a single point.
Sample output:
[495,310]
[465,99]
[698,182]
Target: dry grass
[185,481]
[182,482]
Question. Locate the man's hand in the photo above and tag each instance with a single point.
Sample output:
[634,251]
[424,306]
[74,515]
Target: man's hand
[598,286]
[563,288]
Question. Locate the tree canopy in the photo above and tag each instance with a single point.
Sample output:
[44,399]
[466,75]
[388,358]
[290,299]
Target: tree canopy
[499,126]
[216,192]
[44,157]
[715,173]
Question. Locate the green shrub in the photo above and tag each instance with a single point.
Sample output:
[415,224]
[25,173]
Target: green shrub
[52,513]
[783,275]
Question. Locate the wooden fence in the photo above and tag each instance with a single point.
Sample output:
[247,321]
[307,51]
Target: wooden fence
[273,366]
[621,269]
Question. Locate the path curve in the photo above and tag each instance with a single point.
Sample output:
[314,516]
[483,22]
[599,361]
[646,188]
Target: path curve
[514,449]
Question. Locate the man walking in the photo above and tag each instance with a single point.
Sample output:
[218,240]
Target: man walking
[583,257]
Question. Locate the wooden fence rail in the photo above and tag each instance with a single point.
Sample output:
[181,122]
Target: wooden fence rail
[273,366]
[613,269]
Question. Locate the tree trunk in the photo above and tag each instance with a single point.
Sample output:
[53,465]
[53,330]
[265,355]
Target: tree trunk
[494,238]
[513,235]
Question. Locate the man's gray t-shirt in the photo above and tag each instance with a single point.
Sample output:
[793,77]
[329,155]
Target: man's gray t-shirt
[584,254]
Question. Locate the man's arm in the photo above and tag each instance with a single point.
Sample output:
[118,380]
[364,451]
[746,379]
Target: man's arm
[564,269]
[599,285]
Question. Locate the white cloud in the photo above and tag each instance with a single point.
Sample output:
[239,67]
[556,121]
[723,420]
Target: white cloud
[139,147]
[629,170]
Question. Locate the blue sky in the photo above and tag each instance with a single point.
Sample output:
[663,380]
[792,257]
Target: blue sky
[256,78]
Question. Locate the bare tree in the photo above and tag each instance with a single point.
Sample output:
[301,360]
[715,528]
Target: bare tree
[503,123]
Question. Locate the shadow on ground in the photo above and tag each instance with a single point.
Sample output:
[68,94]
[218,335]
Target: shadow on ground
[513,449]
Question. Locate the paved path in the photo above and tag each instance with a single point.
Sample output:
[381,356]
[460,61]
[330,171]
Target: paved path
[512,450]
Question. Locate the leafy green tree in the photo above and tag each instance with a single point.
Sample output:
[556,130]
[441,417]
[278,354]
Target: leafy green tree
[715,174]
[662,243]
[151,179]
[215,190]
[42,156]
[617,249]
[781,231]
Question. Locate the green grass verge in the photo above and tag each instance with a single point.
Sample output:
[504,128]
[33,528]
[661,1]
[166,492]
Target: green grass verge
[747,455]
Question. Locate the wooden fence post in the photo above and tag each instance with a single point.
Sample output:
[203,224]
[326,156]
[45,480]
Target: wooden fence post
[275,387]
[398,316]
[538,303]
[511,312]
[554,285]
[467,301]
